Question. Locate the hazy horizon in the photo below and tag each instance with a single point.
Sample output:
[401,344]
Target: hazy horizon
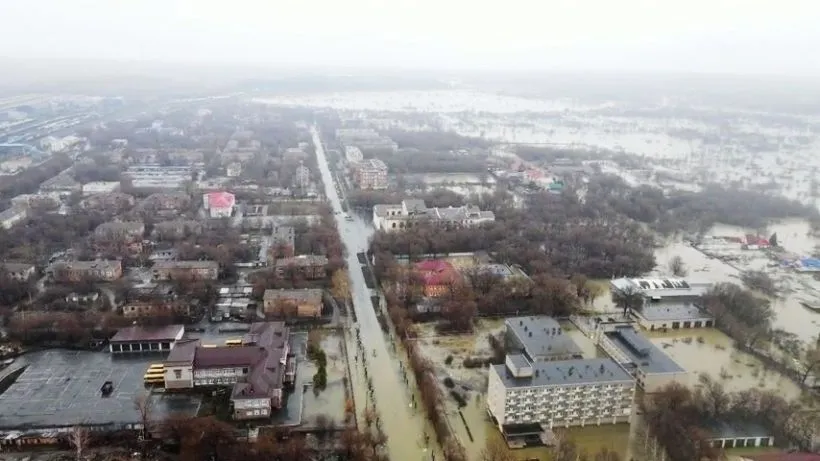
[628,36]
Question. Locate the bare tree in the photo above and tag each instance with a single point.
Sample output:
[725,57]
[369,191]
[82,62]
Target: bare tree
[79,437]
[677,266]
[144,405]
[496,450]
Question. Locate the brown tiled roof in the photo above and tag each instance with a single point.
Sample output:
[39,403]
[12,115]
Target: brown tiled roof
[267,374]
[141,333]
[221,357]
[185,264]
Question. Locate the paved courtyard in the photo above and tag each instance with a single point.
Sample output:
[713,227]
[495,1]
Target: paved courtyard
[62,388]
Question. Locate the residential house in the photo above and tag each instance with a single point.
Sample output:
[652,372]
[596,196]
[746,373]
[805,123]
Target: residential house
[219,204]
[119,235]
[311,267]
[437,276]
[284,303]
[176,229]
[77,271]
[164,205]
[186,270]
[115,202]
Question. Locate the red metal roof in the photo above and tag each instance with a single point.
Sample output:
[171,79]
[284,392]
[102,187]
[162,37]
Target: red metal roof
[221,199]
[436,272]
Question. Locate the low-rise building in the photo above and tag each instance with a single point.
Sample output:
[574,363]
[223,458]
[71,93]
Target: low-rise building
[219,204]
[257,370]
[154,308]
[77,271]
[164,204]
[437,276]
[63,183]
[739,434]
[18,271]
[136,339]
[155,176]
[177,229]
[370,174]
[100,187]
[530,398]
[665,303]
[650,366]
[12,216]
[539,339]
[285,303]
[410,213]
[311,267]
[233,170]
[353,154]
[186,270]
[115,202]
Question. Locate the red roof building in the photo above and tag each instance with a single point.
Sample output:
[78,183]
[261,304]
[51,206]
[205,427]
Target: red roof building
[220,204]
[437,276]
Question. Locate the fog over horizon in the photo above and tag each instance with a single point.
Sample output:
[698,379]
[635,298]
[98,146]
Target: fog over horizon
[723,36]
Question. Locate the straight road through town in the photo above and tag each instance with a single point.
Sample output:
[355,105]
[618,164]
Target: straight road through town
[402,423]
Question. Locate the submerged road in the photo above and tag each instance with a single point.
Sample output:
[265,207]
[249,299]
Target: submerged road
[403,424]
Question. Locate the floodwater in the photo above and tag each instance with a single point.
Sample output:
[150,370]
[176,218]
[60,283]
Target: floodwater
[709,351]
[331,401]
[404,425]
[792,235]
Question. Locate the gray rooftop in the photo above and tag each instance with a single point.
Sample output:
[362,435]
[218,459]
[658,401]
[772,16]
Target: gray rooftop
[642,352]
[542,336]
[661,287]
[673,312]
[736,429]
[567,373]
[62,388]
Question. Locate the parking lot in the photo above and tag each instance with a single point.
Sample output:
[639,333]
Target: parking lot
[62,388]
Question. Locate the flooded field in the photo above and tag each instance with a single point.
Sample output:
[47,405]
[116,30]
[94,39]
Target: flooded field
[711,352]
[724,262]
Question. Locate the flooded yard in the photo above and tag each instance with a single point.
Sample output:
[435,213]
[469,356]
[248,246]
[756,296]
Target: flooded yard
[721,261]
[330,402]
[711,352]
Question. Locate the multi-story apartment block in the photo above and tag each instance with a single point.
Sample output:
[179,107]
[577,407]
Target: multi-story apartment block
[528,398]
[257,370]
[233,169]
[410,213]
[539,339]
[370,174]
[154,176]
[311,267]
[219,204]
[306,302]
[186,270]
[665,303]
[282,241]
[77,271]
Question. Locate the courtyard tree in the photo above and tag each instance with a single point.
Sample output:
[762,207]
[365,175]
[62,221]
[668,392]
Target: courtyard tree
[677,267]
[79,437]
[496,450]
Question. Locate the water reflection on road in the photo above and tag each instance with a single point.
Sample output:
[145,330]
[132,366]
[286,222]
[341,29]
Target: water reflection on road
[403,425]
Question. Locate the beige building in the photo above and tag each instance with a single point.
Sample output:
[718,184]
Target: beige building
[370,174]
[306,302]
[186,270]
[77,271]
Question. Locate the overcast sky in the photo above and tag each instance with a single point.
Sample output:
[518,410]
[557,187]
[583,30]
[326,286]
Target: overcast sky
[737,36]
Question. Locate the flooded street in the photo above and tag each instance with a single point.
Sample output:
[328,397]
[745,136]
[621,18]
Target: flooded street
[405,426]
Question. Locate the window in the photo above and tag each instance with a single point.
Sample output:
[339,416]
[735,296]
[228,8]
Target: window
[178,374]
[245,371]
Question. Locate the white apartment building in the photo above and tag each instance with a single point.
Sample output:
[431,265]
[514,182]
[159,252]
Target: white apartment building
[370,174]
[157,176]
[536,397]
[409,213]
[100,187]
[12,216]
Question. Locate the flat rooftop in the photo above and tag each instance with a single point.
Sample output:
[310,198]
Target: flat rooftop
[138,333]
[567,372]
[542,336]
[673,312]
[659,288]
[62,388]
[641,352]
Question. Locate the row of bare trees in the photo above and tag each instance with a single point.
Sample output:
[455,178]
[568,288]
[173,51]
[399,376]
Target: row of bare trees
[683,421]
